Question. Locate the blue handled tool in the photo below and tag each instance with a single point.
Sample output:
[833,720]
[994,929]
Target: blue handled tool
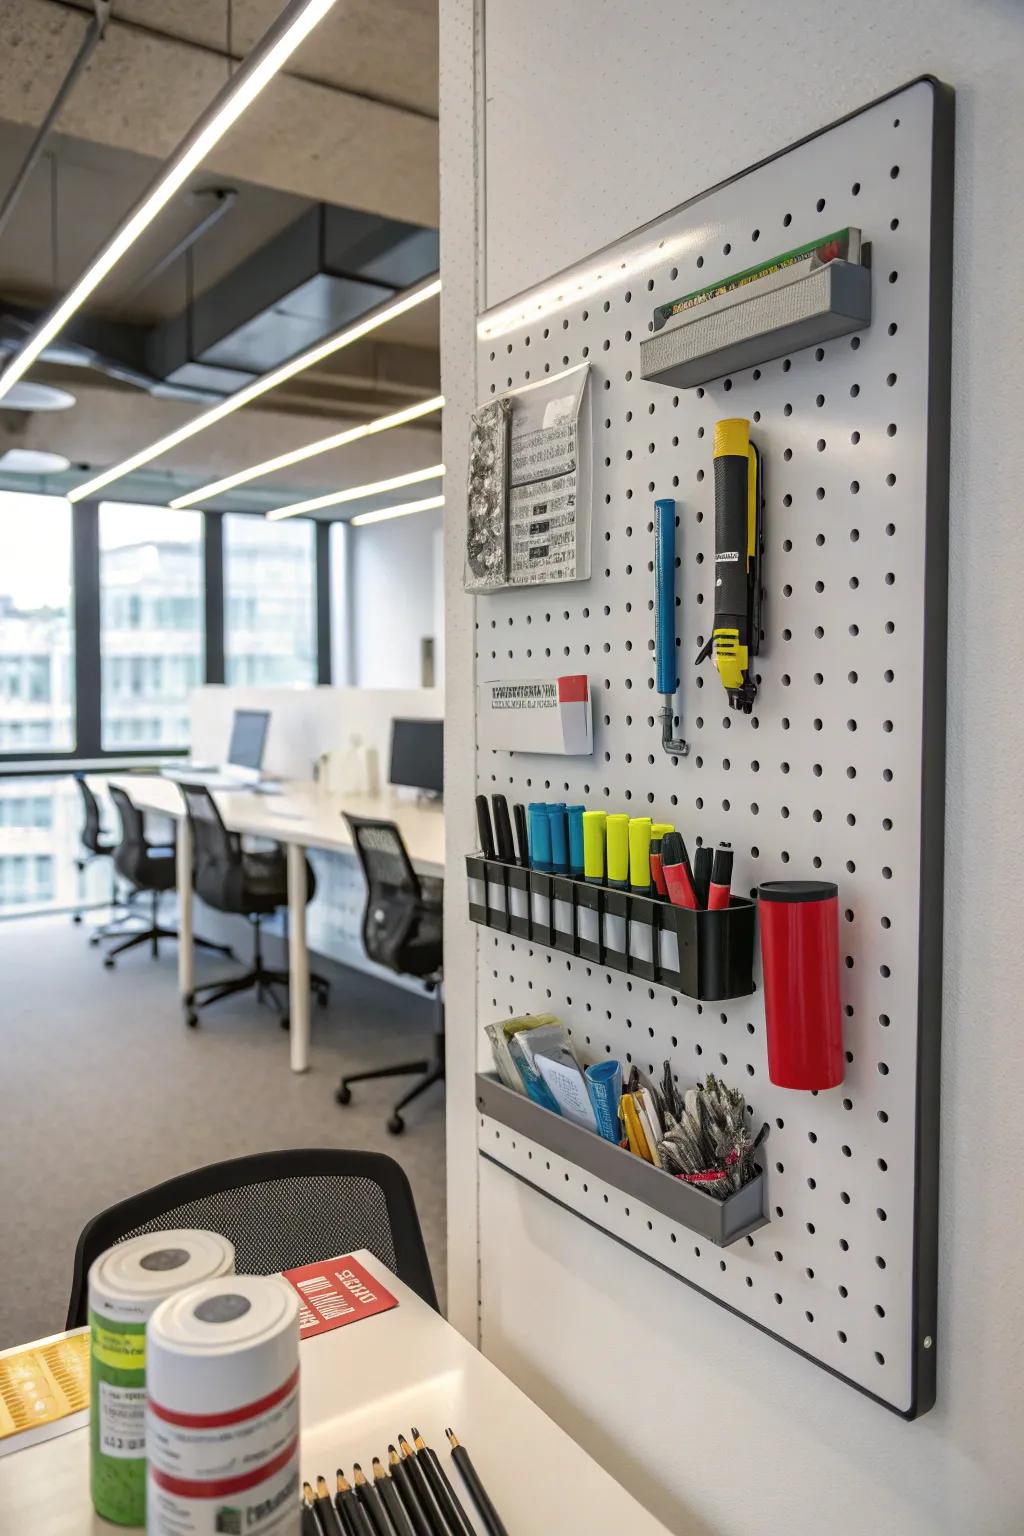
[665,621]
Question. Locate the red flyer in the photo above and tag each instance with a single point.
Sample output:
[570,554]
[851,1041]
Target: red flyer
[335,1292]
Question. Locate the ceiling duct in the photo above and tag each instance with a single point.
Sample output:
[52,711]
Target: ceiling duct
[324,271]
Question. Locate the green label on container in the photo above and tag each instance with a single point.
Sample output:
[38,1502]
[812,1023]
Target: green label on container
[117,1420]
[121,1347]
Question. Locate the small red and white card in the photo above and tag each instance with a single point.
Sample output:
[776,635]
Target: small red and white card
[335,1292]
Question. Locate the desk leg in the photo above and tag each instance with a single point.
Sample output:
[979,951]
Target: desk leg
[298,959]
[186,968]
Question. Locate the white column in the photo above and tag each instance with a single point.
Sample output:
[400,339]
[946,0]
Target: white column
[298,959]
[186,968]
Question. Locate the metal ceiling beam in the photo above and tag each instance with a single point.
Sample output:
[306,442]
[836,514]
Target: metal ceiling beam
[93,34]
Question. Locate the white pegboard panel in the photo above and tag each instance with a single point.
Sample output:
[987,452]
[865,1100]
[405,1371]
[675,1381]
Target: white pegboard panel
[839,769]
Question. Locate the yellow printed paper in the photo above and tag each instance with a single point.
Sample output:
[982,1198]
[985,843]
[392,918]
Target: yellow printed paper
[43,1383]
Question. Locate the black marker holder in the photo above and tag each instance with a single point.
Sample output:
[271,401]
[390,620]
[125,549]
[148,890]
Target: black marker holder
[705,955]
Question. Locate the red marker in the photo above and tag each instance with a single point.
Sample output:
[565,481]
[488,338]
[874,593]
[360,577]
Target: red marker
[675,866]
[720,889]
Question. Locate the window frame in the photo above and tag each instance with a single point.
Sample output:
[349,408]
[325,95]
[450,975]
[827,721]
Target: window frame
[85,599]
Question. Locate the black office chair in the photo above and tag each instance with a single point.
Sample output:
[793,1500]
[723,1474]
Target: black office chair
[281,1210]
[251,885]
[402,930]
[95,844]
[148,867]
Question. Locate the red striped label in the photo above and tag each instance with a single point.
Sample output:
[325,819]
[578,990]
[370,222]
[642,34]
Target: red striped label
[236,1415]
[184,1488]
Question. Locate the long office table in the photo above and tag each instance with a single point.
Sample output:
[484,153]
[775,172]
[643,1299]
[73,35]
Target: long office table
[302,816]
[360,1386]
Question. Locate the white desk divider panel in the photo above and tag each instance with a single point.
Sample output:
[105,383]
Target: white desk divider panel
[838,774]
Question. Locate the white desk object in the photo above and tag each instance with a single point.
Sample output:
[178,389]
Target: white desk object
[360,1387]
[302,816]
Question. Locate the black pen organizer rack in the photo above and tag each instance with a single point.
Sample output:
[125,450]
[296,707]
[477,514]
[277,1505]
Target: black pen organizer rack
[719,1221]
[705,955]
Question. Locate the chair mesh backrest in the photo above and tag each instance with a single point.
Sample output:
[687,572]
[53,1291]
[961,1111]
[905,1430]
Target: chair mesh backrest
[280,1210]
[212,843]
[382,853]
[282,1223]
[133,823]
[92,825]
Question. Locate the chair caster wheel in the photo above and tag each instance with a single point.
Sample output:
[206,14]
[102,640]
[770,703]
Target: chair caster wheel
[108,962]
[396,1125]
[285,1022]
[192,1019]
[343,1094]
[77,917]
[94,940]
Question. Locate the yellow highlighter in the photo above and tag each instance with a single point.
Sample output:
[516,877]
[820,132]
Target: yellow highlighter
[736,633]
[617,837]
[593,847]
[640,855]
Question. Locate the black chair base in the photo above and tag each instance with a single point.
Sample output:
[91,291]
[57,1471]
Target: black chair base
[433,1071]
[152,937]
[264,979]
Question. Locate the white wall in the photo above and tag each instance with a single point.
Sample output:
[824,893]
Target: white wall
[394,598]
[598,117]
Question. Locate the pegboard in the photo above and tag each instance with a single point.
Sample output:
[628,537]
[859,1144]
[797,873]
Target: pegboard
[839,772]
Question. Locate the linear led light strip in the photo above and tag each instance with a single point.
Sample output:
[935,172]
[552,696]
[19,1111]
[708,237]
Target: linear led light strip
[297,455]
[357,492]
[383,513]
[273,50]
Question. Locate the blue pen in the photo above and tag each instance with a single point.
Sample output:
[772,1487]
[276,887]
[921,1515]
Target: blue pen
[665,621]
[559,825]
[540,838]
[575,815]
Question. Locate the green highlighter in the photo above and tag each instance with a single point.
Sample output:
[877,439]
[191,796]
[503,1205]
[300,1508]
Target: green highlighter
[640,855]
[617,838]
[593,847]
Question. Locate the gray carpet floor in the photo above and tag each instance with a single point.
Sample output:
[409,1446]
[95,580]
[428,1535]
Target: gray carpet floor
[104,1092]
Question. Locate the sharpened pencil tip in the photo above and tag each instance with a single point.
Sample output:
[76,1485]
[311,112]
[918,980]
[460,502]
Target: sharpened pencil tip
[415,1433]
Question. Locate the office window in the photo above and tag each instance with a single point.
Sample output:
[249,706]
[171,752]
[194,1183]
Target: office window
[37,660]
[40,822]
[151,623]
[269,601]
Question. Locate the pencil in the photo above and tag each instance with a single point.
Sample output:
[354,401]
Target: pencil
[391,1500]
[435,1519]
[408,1494]
[369,1498]
[325,1509]
[351,1513]
[311,1525]
[444,1493]
[478,1492]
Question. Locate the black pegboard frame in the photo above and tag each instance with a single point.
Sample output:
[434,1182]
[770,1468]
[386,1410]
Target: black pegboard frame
[900,1371]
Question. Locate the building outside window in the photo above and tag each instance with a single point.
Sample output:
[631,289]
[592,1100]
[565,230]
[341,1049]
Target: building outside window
[37,663]
[269,601]
[151,623]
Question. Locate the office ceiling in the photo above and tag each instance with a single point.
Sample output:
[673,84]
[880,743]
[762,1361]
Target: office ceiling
[352,126]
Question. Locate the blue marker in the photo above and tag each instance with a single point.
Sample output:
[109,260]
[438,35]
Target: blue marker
[540,838]
[559,825]
[575,815]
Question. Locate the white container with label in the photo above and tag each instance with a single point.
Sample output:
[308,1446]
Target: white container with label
[222,1420]
[126,1284]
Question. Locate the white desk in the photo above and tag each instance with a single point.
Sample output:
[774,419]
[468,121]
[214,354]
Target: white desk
[302,817]
[360,1387]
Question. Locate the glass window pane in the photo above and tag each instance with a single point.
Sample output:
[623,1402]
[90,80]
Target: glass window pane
[269,601]
[151,623]
[37,653]
[40,822]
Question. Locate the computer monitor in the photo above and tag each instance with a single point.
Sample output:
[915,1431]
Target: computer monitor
[417,755]
[248,738]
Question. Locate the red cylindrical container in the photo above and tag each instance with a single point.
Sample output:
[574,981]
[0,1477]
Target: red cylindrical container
[799,923]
